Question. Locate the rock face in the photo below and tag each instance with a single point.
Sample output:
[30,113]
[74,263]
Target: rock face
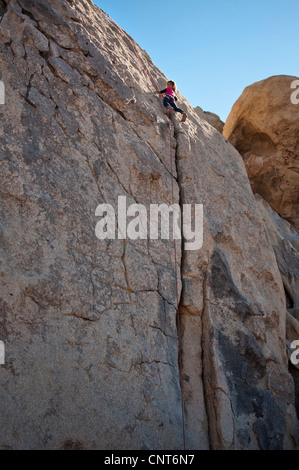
[263,126]
[285,241]
[211,118]
[90,325]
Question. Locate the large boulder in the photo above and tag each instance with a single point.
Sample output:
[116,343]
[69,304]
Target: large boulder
[263,126]
[93,328]
[211,118]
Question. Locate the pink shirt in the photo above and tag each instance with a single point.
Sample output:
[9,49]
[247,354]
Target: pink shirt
[170,91]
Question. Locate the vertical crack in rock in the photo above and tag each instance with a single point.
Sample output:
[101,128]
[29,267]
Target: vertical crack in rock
[192,382]
[179,294]
[203,351]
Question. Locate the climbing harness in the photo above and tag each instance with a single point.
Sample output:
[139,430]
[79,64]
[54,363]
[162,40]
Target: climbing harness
[147,71]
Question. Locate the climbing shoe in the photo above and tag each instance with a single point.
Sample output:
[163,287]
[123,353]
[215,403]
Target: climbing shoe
[184,117]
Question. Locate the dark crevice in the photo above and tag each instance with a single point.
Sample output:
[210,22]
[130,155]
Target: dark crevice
[289,299]
[26,97]
[115,109]
[29,14]
[82,317]
[29,102]
[203,353]
[181,307]
[179,296]
[295,374]
[45,55]
[3,9]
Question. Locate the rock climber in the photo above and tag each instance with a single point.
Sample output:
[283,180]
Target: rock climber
[170,98]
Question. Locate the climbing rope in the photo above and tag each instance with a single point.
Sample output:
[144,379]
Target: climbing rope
[145,69]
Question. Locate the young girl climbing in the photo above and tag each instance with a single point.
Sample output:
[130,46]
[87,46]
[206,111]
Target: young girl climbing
[170,98]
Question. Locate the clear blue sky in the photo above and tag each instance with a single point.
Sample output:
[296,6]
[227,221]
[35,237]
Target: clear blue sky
[213,49]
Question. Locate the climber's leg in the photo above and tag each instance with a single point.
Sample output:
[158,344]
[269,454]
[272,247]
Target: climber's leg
[169,110]
[166,101]
[177,110]
[169,103]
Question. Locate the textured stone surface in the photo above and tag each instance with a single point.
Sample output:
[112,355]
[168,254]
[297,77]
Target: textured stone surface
[285,241]
[90,326]
[263,125]
[211,118]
